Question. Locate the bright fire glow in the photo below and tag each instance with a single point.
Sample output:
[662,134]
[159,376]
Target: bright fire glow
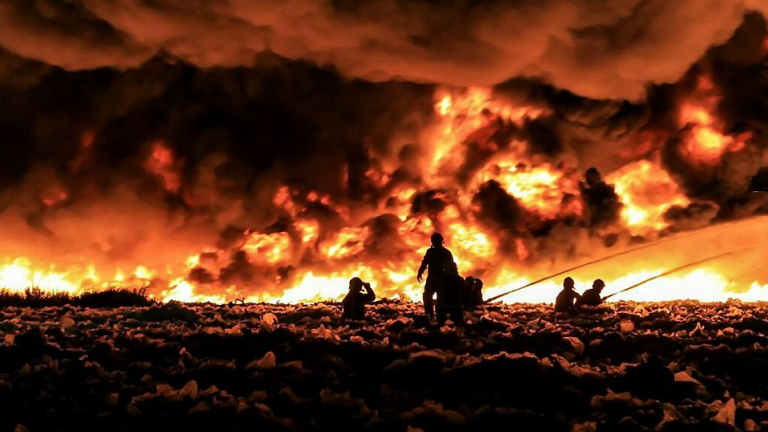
[540,188]
[706,143]
[307,259]
[647,192]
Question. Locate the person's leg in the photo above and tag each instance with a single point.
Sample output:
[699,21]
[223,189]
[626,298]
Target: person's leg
[429,292]
[457,316]
[441,317]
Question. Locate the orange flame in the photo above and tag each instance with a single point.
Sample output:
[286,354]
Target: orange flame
[312,262]
[706,143]
[647,191]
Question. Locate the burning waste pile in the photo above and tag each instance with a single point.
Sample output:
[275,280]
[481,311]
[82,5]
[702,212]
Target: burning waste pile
[667,366]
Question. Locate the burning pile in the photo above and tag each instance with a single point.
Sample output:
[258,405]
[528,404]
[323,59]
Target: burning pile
[511,210]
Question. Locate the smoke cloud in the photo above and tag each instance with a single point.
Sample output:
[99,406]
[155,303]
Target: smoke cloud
[593,48]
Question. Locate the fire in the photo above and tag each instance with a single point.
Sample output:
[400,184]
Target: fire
[308,229]
[471,242]
[540,188]
[345,243]
[706,143]
[305,258]
[270,248]
[710,286]
[20,275]
[461,116]
[647,191]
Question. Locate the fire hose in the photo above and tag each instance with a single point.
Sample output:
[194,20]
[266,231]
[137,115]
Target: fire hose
[605,258]
[677,269]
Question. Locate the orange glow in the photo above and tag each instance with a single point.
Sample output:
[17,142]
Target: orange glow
[284,200]
[462,115]
[308,229]
[705,143]
[647,192]
[54,195]
[540,189]
[161,163]
[269,248]
[314,258]
[345,243]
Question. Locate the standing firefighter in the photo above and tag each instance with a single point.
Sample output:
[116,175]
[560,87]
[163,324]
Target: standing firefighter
[437,259]
[355,301]
[591,297]
[449,297]
[565,299]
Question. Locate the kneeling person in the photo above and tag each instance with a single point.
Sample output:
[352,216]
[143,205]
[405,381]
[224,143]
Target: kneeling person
[564,301]
[591,297]
[355,301]
[450,298]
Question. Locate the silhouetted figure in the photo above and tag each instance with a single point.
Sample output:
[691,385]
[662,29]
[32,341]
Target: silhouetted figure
[564,301]
[591,297]
[469,288]
[355,300]
[436,259]
[601,202]
[477,292]
[450,296]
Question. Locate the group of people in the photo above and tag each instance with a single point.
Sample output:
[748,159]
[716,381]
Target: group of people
[448,295]
[453,293]
[568,299]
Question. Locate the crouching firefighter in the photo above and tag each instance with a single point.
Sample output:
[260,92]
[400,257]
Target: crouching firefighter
[356,299]
[450,297]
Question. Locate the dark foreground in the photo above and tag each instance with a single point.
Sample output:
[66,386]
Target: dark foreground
[514,368]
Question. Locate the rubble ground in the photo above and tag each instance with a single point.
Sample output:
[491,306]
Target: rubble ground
[678,366]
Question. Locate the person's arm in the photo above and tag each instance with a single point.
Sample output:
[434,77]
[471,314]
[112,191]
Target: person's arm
[369,295]
[578,298]
[423,266]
